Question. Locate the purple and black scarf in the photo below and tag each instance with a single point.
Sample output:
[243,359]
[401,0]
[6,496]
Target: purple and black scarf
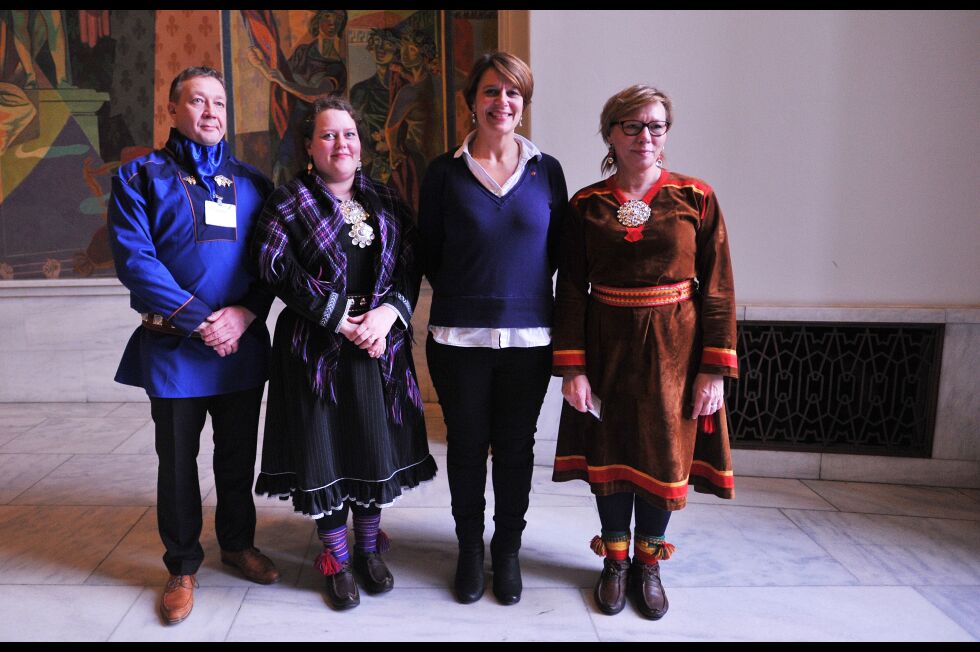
[299,249]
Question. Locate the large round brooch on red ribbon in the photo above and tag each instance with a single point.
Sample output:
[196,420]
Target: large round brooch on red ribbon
[633,214]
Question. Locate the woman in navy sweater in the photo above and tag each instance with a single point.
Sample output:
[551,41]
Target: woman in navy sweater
[489,216]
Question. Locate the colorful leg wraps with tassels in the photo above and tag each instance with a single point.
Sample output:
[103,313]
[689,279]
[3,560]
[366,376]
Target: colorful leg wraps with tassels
[614,545]
[335,552]
[368,535]
[650,550]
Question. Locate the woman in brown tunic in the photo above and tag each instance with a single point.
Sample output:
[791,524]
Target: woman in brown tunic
[644,333]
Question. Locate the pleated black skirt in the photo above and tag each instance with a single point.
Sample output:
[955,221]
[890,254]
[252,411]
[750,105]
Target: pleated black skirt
[322,454]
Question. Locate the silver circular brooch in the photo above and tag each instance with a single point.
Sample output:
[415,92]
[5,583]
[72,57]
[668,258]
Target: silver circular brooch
[633,213]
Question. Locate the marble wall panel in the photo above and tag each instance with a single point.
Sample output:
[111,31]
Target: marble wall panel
[900,315]
[900,470]
[42,376]
[775,464]
[82,322]
[957,435]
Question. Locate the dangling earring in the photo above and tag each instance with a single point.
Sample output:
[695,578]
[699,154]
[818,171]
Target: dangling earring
[309,165]
[611,159]
[660,159]
[473,117]
[521,123]
[359,165]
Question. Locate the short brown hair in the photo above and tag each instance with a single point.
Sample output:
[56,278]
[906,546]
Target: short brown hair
[191,73]
[625,102]
[325,103]
[511,68]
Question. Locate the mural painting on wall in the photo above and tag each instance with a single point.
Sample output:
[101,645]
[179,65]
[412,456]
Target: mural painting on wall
[82,92]
[390,63]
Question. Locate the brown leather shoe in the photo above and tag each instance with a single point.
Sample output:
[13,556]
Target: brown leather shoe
[341,588]
[178,598]
[647,591]
[253,564]
[373,571]
[610,590]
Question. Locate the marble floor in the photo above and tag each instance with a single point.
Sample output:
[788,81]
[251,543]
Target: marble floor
[787,560]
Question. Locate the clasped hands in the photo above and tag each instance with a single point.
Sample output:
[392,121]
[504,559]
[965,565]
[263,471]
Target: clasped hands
[708,395]
[370,330]
[223,328]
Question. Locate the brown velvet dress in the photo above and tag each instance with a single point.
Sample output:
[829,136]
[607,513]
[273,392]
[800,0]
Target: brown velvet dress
[641,361]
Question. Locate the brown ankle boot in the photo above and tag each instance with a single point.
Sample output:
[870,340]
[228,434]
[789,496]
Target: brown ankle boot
[647,590]
[610,590]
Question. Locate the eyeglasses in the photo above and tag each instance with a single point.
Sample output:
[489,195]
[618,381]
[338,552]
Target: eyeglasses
[634,127]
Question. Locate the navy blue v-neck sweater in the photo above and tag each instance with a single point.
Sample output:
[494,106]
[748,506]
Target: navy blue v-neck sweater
[490,259]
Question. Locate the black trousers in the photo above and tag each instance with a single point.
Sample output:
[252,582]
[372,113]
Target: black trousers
[179,422]
[490,399]
[339,516]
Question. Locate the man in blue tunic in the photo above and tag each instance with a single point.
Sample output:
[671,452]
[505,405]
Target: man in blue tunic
[179,220]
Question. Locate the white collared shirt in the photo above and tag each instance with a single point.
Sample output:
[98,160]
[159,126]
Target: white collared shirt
[527,151]
[494,338]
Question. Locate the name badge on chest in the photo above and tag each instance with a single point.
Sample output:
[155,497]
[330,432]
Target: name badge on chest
[219,214]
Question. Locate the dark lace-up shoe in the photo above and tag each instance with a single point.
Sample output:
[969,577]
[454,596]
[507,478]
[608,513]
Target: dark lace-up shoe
[253,564]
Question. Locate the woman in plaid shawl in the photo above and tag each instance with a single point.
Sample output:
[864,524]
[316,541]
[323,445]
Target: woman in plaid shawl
[344,430]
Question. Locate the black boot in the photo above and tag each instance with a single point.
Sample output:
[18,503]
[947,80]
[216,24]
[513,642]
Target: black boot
[469,583]
[506,576]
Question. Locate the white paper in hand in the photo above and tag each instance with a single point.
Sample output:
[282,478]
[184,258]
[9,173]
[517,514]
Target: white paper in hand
[596,409]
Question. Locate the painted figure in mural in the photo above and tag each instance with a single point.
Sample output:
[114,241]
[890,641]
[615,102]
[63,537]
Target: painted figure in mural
[16,112]
[344,429]
[32,30]
[371,99]
[179,222]
[412,130]
[490,218]
[652,339]
[313,69]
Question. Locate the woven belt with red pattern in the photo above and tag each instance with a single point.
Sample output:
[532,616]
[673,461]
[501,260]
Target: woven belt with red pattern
[657,295]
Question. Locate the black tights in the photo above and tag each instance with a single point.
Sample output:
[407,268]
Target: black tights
[616,511]
[339,516]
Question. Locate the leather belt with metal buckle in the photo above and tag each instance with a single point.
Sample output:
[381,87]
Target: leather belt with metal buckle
[361,304]
[159,324]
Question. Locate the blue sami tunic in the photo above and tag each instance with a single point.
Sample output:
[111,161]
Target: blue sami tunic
[178,266]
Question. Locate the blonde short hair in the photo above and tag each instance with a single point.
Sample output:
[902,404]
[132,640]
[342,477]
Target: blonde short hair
[625,102]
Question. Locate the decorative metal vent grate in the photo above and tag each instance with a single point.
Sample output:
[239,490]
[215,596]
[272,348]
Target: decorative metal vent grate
[845,388]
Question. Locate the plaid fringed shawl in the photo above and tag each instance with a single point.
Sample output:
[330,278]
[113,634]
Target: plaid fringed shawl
[300,254]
